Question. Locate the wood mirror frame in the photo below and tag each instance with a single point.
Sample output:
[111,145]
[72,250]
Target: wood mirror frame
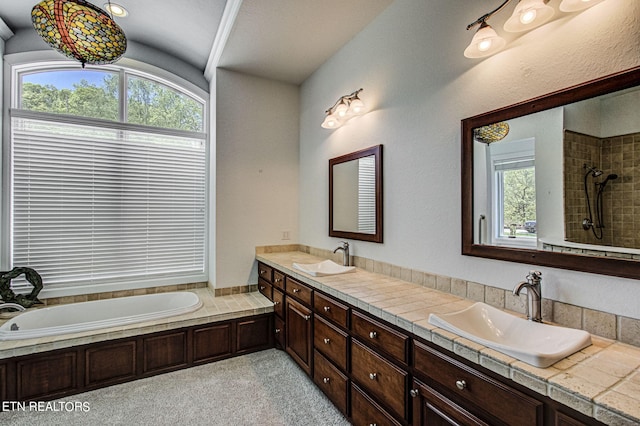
[598,265]
[375,237]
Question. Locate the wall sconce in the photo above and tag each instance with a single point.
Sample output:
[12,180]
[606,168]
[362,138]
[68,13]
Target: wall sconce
[527,15]
[343,110]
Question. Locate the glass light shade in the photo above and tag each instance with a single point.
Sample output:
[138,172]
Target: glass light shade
[331,122]
[342,109]
[485,42]
[527,15]
[79,30]
[356,106]
[577,5]
[116,10]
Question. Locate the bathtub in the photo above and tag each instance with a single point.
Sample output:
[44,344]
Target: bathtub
[77,317]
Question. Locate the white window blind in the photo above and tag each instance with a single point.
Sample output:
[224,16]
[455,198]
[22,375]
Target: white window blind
[367,195]
[92,204]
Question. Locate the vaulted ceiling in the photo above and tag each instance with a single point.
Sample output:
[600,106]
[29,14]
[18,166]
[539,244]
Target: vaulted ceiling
[284,40]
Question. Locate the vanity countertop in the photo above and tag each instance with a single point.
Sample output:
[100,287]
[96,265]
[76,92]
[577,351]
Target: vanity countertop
[601,381]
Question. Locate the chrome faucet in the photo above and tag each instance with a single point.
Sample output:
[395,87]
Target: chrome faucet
[345,253]
[14,306]
[534,295]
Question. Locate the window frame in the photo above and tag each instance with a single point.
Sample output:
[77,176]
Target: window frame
[518,151]
[14,70]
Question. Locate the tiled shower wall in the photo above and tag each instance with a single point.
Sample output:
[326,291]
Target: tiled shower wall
[621,202]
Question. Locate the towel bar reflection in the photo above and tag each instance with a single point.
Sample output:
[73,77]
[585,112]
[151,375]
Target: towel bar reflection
[480,223]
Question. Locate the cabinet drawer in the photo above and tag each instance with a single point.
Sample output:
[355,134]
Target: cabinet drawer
[278,279]
[487,394]
[331,381]
[379,377]
[380,336]
[331,342]
[278,302]
[298,291]
[265,272]
[331,309]
[366,412]
[265,288]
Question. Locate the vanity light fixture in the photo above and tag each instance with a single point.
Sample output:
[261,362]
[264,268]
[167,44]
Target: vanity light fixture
[345,108]
[528,14]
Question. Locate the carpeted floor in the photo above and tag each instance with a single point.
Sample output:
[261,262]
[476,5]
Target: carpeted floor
[264,388]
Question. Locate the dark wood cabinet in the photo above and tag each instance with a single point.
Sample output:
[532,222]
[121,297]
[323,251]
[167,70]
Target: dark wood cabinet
[54,374]
[165,352]
[254,334]
[366,412]
[331,381]
[430,408]
[212,343]
[379,374]
[48,376]
[299,334]
[380,378]
[110,363]
[486,397]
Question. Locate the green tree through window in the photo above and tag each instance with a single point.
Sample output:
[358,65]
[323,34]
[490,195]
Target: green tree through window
[74,93]
[519,196]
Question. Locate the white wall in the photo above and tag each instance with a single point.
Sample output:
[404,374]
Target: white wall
[419,86]
[257,171]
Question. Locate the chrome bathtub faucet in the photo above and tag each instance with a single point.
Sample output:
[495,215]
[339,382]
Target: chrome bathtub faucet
[345,253]
[533,284]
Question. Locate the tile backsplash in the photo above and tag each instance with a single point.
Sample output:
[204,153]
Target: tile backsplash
[611,326]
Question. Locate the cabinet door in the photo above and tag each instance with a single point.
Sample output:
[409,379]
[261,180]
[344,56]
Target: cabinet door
[212,342]
[299,337]
[430,408]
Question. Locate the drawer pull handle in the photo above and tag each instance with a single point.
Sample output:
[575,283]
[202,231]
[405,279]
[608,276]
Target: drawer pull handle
[326,380]
[373,376]
[373,424]
[327,341]
[262,287]
[296,290]
[276,303]
[277,330]
[461,384]
[327,308]
[373,334]
[307,317]
[414,393]
[262,272]
[278,280]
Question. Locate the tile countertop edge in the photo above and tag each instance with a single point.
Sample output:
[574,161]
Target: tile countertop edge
[208,313]
[536,379]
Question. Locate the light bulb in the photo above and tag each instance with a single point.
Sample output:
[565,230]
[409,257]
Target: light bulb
[356,106]
[527,15]
[341,109]
[485,42]
[330,122]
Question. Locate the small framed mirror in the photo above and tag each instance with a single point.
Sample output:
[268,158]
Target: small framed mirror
[355,195]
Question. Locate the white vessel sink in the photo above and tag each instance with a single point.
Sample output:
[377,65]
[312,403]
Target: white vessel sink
[540,345]
[324,268]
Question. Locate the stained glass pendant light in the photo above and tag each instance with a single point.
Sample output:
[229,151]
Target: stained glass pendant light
[79,30]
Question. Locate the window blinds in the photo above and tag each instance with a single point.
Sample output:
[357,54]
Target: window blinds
[92,204]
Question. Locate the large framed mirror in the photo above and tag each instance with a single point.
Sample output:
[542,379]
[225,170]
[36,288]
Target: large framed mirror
[555,180]
[355,195]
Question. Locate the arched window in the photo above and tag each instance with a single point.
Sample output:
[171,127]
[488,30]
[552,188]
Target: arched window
[108,179]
